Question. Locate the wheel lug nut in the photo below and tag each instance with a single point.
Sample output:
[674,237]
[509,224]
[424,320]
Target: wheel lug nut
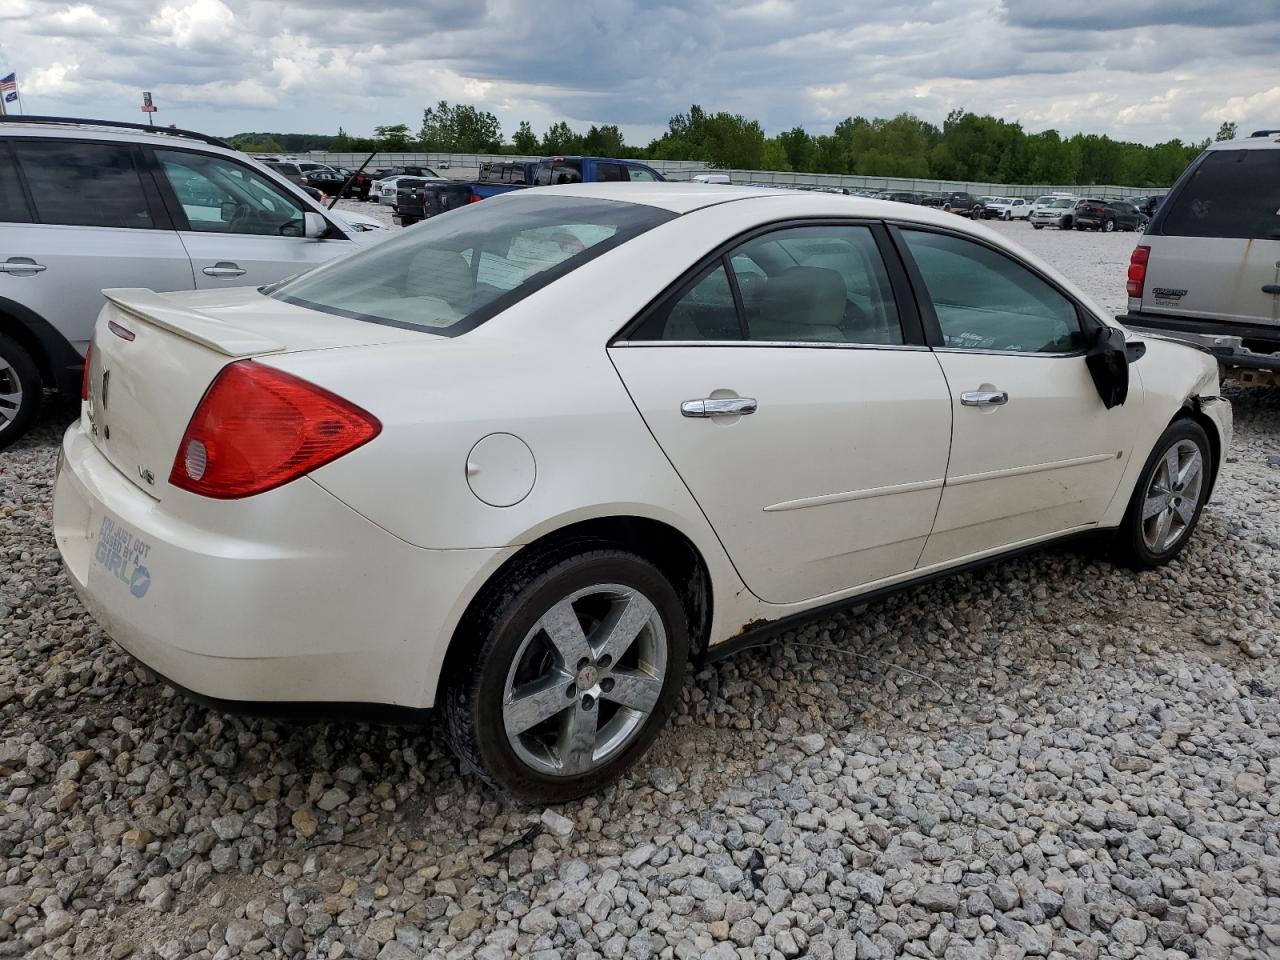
[606,684]
[584,662]
[605,661]
[572,691]
[588,702]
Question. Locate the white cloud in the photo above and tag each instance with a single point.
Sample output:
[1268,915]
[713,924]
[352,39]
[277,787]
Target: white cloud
[1264,103]
[80,19]
[198,22]
[55,80]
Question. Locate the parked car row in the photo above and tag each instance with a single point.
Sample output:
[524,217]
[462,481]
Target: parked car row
[415,199]
[1058,210]
[1090,213]
[336,181]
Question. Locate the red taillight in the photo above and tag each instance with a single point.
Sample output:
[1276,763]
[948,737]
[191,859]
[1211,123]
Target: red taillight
[1138,270]
[84,377]
[474,198]
[257,428]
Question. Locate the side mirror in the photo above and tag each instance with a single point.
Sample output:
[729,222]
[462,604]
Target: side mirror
[314,226]
[1108,362]
[228,211]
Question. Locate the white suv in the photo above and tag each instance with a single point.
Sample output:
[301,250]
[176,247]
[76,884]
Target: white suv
[1208,269]
[87,205]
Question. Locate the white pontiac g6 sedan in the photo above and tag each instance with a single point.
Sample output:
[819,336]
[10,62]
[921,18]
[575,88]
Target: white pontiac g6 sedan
[524,461]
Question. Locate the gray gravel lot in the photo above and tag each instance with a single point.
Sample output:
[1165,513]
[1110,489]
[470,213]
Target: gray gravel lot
[1052,758]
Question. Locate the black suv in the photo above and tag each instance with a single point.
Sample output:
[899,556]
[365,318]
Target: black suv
[1107,215]
[965,204]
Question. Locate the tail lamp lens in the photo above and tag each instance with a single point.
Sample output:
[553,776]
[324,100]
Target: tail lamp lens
[1138,271]
[258,428]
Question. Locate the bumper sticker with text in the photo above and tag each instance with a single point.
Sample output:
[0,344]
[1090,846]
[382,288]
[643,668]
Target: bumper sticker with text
[122,554]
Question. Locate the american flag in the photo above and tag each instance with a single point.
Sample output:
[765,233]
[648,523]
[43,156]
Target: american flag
[9,83]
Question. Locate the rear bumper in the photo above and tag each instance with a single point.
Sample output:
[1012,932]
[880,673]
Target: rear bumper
[1224,340]
[299,599]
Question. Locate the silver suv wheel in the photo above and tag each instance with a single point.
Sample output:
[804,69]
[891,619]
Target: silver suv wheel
[10,394]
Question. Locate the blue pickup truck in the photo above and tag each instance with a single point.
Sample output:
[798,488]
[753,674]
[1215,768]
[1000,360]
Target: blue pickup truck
[418,200]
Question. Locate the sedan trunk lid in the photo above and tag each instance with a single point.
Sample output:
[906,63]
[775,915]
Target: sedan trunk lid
[154,356]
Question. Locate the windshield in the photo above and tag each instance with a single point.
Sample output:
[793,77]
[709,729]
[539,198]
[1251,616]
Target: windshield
[454,271]
[1064,203]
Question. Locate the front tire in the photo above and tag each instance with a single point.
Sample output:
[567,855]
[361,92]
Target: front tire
[21,388]
[1169,496]
[1037,226]
[575,662]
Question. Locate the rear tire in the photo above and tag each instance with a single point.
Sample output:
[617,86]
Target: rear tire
[1168,498]
[21,390]
[537,707]
[1037,226]
[1108,226]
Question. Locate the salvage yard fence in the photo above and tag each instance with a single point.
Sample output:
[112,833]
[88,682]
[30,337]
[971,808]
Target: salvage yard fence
[461,165]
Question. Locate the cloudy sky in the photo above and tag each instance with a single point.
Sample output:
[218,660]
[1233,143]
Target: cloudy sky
[1145,70]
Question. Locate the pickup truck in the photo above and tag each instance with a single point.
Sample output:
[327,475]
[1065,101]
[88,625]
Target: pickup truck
[417,201]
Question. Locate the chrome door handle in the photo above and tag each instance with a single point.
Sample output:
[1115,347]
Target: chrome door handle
[21,266]
[984,398]
[224,268]
[712,407]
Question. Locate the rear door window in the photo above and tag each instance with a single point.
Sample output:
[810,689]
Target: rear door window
[612,172]
[1231,193]
[13,203]
[84,184]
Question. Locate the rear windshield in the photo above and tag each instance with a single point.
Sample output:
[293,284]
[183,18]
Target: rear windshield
[454,271]
[1231,193]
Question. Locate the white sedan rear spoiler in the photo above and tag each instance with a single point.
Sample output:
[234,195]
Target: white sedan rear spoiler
[162,311]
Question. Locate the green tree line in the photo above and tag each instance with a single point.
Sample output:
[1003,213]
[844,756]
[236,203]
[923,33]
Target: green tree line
[967,146]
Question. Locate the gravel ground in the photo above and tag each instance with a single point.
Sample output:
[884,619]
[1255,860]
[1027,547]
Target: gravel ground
[1052,758]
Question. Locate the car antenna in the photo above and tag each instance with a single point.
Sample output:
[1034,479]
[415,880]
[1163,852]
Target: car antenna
[347,183]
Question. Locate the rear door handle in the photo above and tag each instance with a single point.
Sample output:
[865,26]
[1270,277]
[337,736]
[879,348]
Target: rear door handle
[22,267]
[1272,288]
[712,407]
[984,398]
[224,268]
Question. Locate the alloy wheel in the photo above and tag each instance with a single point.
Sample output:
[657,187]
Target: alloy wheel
[585,679]
[1172,496]
[10,394]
